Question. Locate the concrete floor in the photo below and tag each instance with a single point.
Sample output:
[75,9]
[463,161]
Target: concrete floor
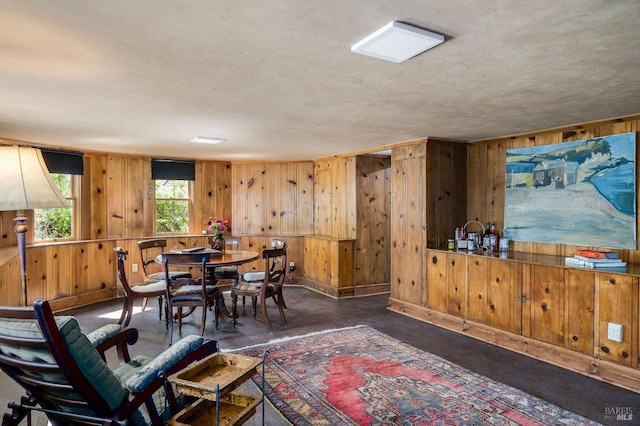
[309,311]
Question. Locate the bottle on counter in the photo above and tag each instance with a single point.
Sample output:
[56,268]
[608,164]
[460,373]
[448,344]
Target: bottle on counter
[493,238]
[486,238]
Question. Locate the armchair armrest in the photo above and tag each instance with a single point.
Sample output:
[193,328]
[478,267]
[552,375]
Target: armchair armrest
[113,335]
[178,356]
[103,333]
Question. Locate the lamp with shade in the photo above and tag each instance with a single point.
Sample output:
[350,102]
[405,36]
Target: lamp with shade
[25,184]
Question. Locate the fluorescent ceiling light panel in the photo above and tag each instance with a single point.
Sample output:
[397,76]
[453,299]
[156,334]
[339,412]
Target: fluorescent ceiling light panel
[204,139]
[397,42]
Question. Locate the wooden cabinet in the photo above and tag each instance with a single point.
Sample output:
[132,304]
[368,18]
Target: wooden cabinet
[477,289]
[457,284]
[559,306]
[504,286]
[545,316]
[494,287]
[447,273]
[436,294]
[616,302]
[579,309]
[537,306]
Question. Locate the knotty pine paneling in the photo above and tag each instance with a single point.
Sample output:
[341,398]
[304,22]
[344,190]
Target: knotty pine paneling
[272,198]
[93,198]
[116,183]
[446,176]
[373,204]
[10,280]
[212,194]
[335,197]
[7,234]
[330,262]
[408,239]
[578,313]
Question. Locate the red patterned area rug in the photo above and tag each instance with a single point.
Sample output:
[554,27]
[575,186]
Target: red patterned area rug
[359,376]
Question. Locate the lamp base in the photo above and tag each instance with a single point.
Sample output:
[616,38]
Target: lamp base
[21,229]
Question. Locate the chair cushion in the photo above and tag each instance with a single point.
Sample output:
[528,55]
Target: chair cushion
[244,287]
[149,287]
[253,276]
[197,289]
[226,271]
[192,293]
[173,274]
[27,328]
[92,365]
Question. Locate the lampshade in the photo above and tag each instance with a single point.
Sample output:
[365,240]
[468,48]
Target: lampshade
[25,183]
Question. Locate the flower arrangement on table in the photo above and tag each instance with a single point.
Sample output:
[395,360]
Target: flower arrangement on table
[217,226]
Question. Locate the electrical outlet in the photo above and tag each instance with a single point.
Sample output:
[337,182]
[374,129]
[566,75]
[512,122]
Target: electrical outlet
[134,267]
[614,332]
[292,266]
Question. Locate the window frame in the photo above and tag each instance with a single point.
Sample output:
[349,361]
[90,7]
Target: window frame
[74,200]
[188,199]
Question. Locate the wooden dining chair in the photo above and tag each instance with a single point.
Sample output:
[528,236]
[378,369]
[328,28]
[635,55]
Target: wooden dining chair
[189,293]
[228,273]
[149,250]
[275,268]
[141,290]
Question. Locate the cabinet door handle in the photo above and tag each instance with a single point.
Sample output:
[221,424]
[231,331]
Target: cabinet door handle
[574,338]
[625,354]
[544,307]
[612,281]
[434,260]
[604,349]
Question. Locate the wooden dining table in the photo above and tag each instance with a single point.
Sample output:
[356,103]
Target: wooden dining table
[227,258]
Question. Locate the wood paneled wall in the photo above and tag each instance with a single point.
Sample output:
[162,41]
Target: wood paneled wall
[372,254]
[130,193]
[272,198]
[335,197]
[408,225]
[117,208]
[486,176]
[428,201]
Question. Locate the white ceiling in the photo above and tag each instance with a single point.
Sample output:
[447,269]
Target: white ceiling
[278,81]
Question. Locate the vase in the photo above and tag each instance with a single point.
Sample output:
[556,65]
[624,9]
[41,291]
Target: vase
[217,243]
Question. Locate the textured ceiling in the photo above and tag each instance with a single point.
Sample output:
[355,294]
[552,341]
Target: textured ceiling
[278,81]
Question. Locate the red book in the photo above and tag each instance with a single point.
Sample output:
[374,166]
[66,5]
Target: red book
[595,254]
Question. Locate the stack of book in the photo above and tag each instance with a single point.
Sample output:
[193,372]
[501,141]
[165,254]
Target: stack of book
[592,259]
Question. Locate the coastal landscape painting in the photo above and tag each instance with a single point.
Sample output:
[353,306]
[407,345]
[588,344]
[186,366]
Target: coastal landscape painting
[578,193]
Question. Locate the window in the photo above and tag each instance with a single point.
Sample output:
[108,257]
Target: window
[172,205]
[50,224]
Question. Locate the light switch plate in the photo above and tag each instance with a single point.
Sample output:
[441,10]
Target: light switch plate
[614,332]
[134,267]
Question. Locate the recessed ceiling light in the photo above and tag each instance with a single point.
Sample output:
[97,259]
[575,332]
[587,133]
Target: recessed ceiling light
[204,139]
[397,42]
